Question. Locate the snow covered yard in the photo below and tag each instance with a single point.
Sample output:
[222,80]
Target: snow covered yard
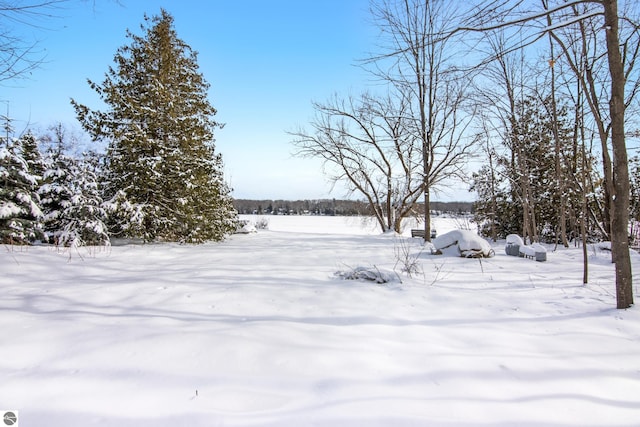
[258,331]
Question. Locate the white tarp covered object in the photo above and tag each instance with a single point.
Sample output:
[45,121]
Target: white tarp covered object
[468,244]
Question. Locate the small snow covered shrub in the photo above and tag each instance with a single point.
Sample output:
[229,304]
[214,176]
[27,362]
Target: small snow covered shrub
[372,274]
[245,227]
[262,223]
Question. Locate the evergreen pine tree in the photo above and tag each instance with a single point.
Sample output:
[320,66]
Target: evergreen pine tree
[32,155]
[20,211]
[73,209]
[163,179]
[494,212]
[56,191]
[530,166]
[83,220]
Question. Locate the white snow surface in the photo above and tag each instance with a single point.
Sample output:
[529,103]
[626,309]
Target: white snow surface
[259,331]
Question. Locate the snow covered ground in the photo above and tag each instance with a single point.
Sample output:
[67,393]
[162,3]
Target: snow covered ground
[258,331]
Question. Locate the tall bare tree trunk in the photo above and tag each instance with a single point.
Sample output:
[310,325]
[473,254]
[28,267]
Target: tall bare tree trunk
[427,214]
[560,188]
[494,202]
[583,66]
[529,228]
[620,205]
[585,206]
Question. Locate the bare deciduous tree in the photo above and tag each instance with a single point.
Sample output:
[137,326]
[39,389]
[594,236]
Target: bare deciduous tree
[504,88]
[19,56]
[365,143]
[491,15]
[417,61]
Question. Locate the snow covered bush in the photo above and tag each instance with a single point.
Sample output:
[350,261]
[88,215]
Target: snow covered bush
[20,211]
[262,223]
[74,212]
[407,258]
[245,227]
[371,274]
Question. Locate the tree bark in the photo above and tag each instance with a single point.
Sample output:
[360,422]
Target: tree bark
[620,205]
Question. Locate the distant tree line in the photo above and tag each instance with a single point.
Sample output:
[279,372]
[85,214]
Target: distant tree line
[335,207]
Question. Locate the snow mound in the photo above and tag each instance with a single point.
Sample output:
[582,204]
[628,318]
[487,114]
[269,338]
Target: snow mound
[467,243]
[371,274]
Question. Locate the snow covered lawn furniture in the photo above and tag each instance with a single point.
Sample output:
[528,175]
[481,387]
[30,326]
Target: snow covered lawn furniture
[513,245]
[372,274]
[467,243]
[418,232]
[535,251]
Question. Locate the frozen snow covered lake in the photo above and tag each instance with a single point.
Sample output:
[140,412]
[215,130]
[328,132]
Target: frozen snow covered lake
[258,331]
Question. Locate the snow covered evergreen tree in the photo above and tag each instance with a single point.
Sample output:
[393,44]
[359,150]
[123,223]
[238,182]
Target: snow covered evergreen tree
[73,209]
[20,211]
[526,203]
[56,191]
[163,178]
[32,155]
[83,220]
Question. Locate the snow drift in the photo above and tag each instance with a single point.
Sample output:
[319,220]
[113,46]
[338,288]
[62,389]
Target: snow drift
[257,331]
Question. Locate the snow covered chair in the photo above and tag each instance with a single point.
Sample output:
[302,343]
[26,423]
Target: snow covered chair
[513,245]
[534,251]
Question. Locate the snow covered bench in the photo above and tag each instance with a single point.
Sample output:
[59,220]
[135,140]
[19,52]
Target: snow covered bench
[419,232]
[516,247]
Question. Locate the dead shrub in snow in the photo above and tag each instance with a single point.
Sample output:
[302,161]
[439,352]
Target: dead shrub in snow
[406,258]
[371,274]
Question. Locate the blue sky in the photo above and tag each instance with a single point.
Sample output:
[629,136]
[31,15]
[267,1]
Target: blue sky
[265,60]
